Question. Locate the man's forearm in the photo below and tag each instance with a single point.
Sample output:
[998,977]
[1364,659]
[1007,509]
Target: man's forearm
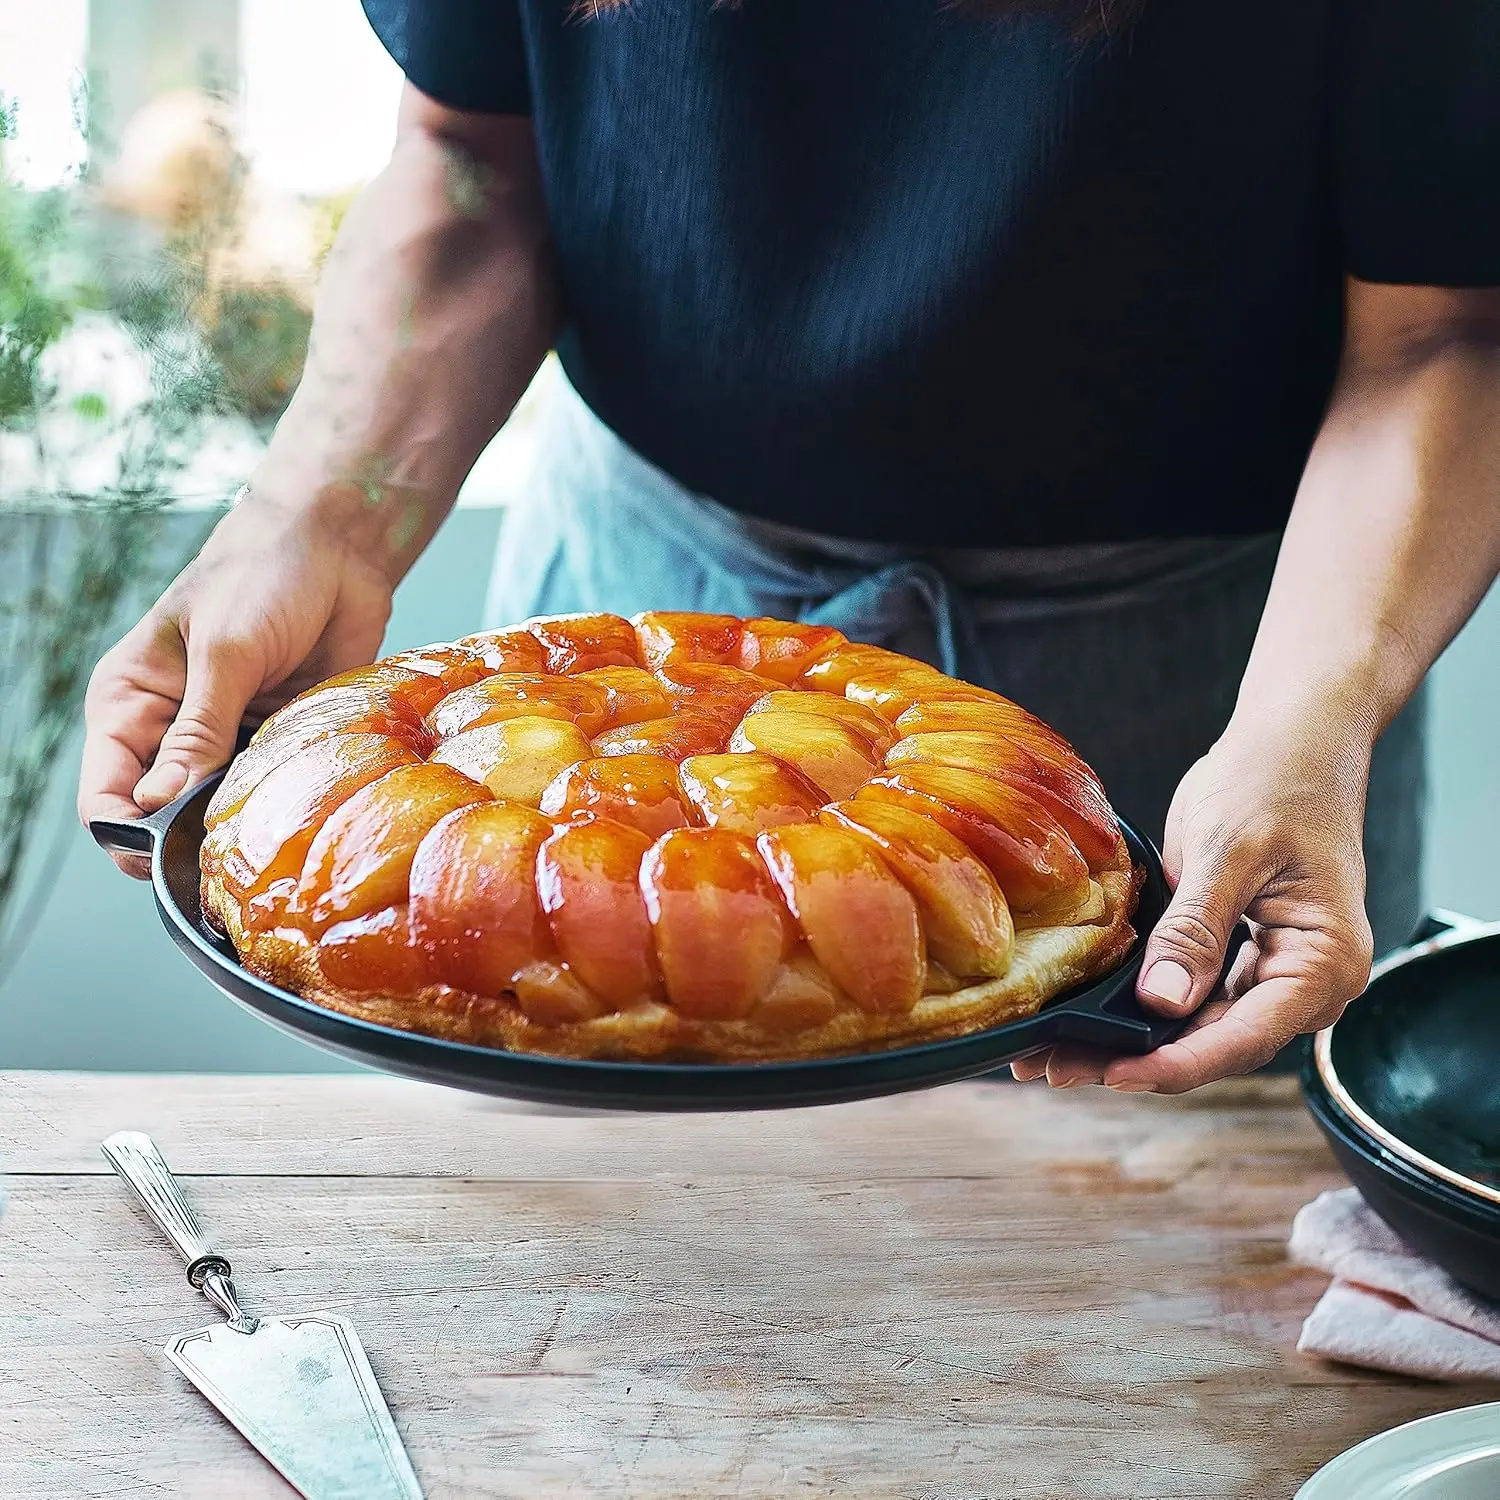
[1395,535]
[435,309]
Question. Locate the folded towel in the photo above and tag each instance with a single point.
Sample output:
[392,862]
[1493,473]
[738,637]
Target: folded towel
[1388,1308]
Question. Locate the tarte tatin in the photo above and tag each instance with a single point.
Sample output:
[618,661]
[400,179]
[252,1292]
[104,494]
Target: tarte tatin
[686,837]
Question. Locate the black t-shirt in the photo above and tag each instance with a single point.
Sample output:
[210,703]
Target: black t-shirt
[873,268]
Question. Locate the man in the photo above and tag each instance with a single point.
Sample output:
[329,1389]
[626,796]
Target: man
[1036,337]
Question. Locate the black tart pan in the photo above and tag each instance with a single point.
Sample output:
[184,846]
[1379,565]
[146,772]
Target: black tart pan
[1103,1014]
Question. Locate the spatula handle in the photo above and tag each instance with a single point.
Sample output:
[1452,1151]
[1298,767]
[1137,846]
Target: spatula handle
[138,1159]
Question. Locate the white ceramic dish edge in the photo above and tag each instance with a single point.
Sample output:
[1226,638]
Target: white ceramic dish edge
[1422,1460]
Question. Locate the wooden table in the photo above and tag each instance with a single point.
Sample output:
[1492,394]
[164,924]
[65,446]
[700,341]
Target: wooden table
[982,1291]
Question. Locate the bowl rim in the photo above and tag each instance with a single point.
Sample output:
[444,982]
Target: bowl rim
[1462,930]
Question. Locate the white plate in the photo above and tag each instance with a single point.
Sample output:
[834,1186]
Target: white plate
[1452,1456]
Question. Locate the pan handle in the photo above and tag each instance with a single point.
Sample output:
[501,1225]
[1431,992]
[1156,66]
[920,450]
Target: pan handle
[1440,920]
[132,835]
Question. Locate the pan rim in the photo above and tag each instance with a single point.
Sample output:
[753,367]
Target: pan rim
[1339,1093]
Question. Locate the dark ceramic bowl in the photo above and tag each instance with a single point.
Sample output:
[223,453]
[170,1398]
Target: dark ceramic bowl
[1406,1086]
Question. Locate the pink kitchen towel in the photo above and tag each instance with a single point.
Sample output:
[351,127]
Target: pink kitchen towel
[1388,1308]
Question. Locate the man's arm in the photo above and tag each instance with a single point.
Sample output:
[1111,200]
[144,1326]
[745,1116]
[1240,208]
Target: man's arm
[1392,543]
[436,307]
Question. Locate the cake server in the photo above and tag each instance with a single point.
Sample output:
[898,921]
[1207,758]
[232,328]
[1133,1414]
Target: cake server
[300,1389]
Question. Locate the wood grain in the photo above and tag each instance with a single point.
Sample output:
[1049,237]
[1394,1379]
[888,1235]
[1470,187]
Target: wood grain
[981,1291]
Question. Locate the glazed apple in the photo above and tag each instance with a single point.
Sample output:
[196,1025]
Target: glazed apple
[1034,861]
[685,636]
[748,793]
[375,952]
[328,711]
[835,758]
[719,925]
[582,642]
[516,758]
[507,650]
[361,858]
[516,695]
[283,814]
[639,790]
[861,922]
[963,910]
[1076,800]
[673,739]
[588,878]
[864,721]
[631,696]
[705,688]
[784,650]
[801,995]
[474,903]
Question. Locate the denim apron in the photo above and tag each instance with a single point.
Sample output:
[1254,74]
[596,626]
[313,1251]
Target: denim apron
[1134,651]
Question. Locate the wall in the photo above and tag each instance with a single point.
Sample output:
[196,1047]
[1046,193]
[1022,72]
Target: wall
[100,986]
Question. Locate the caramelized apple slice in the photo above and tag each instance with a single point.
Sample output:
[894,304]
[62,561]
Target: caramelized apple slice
[1027,852]
[579,643]
[361,857]
[640,791]
[783,650]
[326,712]
[964,914]
[831,671]
[1076,801]
[455,665]
[675,739]
[684,635]
[518,695]
[631,696]
[703,688]
[993,716]
[748,793]
[552,995]
[856,716]
[474,905]
[718,924]
[377,952]
[516,758]
[801,995]
[860,921]
[507,650]
[413,688]
[890,691]
[588,875]
[283,814]
[835,758]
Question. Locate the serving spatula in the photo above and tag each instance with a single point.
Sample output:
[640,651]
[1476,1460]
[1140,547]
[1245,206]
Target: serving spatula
[300,1389]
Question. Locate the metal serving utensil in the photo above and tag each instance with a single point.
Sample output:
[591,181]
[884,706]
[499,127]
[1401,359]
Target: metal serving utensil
[300,1389]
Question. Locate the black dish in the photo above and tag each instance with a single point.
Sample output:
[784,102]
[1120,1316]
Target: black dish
[1103,1014]
[1406,1087]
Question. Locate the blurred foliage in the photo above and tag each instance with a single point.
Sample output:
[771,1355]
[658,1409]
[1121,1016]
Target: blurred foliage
[77,559]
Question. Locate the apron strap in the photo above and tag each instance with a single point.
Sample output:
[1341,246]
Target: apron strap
[879,606]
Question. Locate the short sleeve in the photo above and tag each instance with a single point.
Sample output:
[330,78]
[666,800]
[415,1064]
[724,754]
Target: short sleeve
[467,54]
[1416,140]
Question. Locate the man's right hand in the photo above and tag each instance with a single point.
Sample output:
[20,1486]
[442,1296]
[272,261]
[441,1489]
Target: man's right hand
[278,599]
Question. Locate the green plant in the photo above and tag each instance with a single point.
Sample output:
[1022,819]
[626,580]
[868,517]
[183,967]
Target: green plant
[91,471]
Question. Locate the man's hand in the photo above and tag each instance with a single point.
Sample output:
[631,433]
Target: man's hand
[1267,826]
[278,599]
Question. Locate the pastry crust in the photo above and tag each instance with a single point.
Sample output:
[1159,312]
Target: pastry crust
[454,707]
